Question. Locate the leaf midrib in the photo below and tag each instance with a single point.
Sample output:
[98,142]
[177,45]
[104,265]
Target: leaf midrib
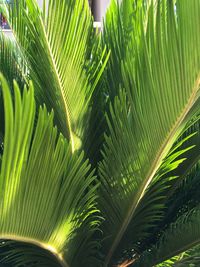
[67,112]
[58,80]
[155,165]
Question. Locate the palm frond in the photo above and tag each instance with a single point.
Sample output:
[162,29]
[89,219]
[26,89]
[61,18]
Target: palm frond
[185,259]
[121,25]
[185,197]
[12,64]
[18,254]
[12,67]
[181,194]
[60,59]
[151,211]
[161,84]
[97,122]
[1,123]
[181,236]
[46,191]
[193,155]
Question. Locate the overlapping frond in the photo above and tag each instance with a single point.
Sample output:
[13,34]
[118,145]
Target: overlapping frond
[121,23]
[185,259]
[12,67]
[181,194]
[181,236]
[152,82]
[151,212]
[18,254]
[56,44]
[161,83]
[185,197]
[193,156]
[46,191]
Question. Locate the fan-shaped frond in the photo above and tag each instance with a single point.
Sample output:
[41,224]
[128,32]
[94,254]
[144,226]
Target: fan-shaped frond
[161,84]
[46,191]
[56,44]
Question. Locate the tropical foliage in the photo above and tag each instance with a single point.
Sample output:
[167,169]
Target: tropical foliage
[100,135]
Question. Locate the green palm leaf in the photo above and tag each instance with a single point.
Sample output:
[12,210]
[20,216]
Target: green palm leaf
[189,258]
[161,76]
[12,67]
[46,193]
[185,197]
[180,194]
[181,236]
[122,24]
[61,59]
[193,127]
[20,254]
